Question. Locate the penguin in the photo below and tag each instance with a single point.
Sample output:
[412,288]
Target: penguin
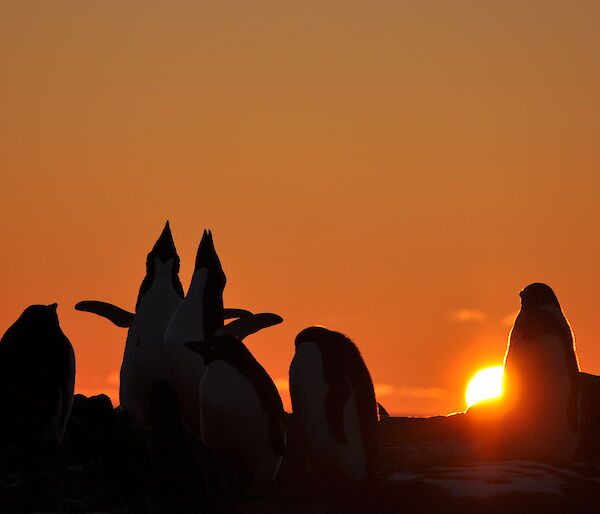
[37,379]
[160,294]
[241,413]
[333,399]
[541,381]
[145,360]
[201,317]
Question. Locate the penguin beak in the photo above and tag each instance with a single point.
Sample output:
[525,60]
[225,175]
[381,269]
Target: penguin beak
[53,306]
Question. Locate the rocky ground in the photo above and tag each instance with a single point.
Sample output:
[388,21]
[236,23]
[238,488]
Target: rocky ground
[443,464]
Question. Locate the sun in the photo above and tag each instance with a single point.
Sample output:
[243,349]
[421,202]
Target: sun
[486,384]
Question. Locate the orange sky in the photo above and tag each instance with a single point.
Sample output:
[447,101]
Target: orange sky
[396,171]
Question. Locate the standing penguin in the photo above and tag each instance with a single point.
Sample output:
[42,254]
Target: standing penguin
[146,359]
[334,402]
[37,377]
[241,413]
[143,360]
[541,381]
[200,313]
[199,318]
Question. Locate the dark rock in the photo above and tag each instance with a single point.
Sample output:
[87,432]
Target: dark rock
[440,464]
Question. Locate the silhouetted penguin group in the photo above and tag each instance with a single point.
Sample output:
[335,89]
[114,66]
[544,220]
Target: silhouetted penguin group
[228,402]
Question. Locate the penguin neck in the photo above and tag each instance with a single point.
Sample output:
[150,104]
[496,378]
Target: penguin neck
[162,285]
[161,279]
[207,301]
[552,308]
[557,312]
[198,286]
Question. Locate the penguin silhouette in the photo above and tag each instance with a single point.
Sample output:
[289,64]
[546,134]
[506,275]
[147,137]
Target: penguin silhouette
[541,381]
[241,413]
[143,360]
[200,317]
[334,402]
[37,378]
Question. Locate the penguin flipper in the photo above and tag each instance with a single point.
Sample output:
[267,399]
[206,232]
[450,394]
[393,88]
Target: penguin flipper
[336,398]
[112,313]
[236,313]
[243,327]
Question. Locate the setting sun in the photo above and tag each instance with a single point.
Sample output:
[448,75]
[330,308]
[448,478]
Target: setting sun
[486,384]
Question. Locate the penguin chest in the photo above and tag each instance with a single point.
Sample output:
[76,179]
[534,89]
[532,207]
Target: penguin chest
[327,454]
[36,403]
[540,392]
[145,340]
[185,367]
[143,359]
[233,422]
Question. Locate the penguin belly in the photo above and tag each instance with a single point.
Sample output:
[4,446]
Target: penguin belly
[143,360]
[58,394]
[36,406]
[185,368]
[66,389]
[327,457]
[234,424]
[53,429]
[537,423]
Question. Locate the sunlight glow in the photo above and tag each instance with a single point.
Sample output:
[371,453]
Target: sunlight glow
[486,384]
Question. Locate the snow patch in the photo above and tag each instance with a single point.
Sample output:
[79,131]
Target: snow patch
[491,479]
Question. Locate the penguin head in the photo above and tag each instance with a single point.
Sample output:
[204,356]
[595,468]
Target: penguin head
[162,261]
[321,336]
[207,261]
[40,314]
[537,294]
[224,347]
[206,257]
[35,321]
[164,248]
